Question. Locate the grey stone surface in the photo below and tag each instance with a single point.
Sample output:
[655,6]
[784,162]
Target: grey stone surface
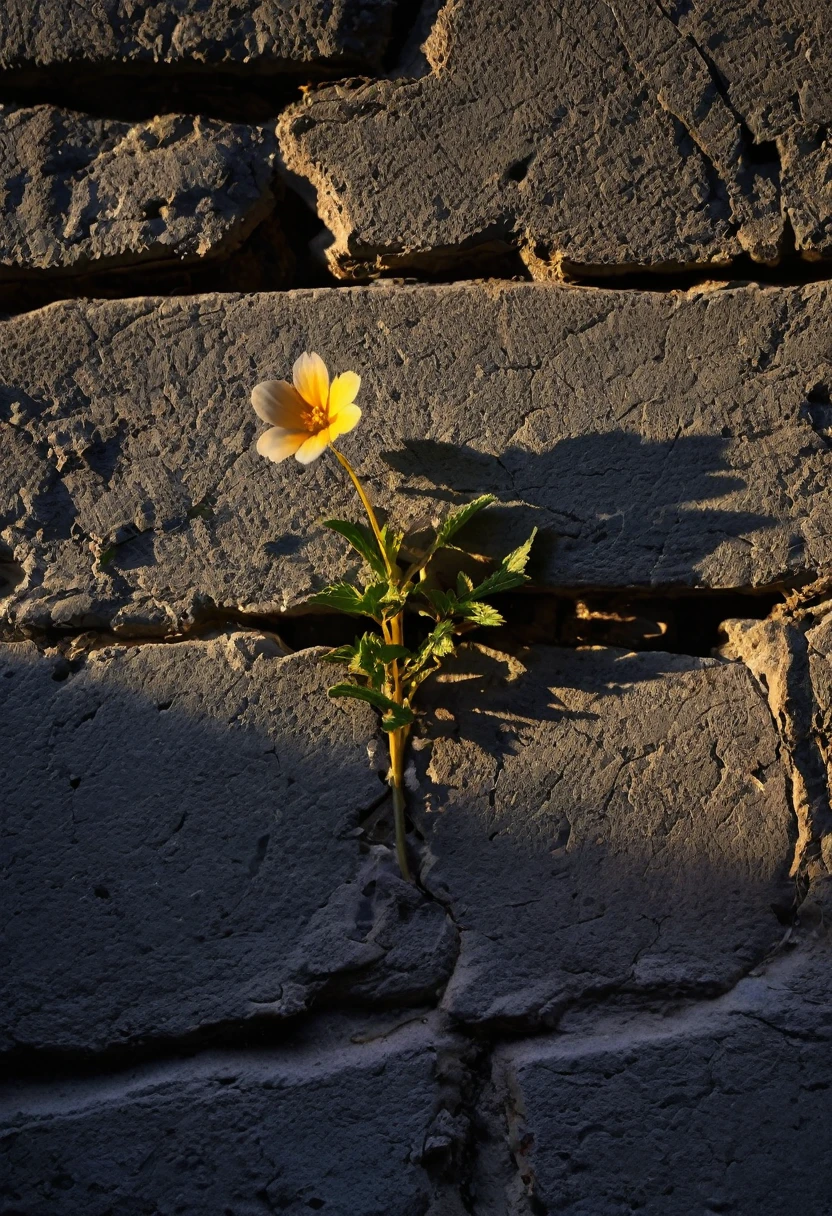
[600,820]
[590,136]
[84,194]
[336,1125]
[657,440]
[714,1109]
[277,34]
[182,847]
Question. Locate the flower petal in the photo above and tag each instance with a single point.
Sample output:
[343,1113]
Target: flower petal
[277,402]
[314,446]
[311,379]
[342,392]
[277,444]
[347,418]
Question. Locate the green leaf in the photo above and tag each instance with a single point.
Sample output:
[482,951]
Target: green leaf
[341,654]
[395,715]
[458,519]
[391,541]
[378,600]
[443,603]
[481,614]
[362,540]
[511,571]
[437,645]
[464,585]
[343,597]
[372,656]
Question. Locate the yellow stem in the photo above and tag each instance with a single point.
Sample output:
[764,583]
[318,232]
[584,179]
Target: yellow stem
[398,739]
[368,507]
[392,631]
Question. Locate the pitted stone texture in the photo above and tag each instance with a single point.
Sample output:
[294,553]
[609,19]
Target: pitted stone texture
[819,725]
[592,137]
[712,1110]
[278,34]
[183,847]
[596,819]
[336,1126]
[656,440]
[85,194]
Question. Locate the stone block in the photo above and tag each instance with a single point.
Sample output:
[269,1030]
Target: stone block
[591,137]
[658,441]
[599,821]
[183,850]
[87,195]
[711,1109]
[274,36]
[338,1124]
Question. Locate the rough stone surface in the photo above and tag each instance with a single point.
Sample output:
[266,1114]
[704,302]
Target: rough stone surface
[183,849]
[715,1109]
[339,1124]
[590,136]
[600,820]
[84,194]
[275,34]
[657,440]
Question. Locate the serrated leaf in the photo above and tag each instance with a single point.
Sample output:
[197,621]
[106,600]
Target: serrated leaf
[481,614]
[458,519]
[436,646]
[341,654]
[511,571]
[342,597]
[391,542]
[372,654]
[395,715]
[464,585]
[444,603]
[362,540]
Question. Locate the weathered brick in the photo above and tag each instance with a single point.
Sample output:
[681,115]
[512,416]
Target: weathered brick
[338,1124]
[657,440]
[183,850]
[597,820]
[590,136]
[273,35]
[714,1109]
[91,195]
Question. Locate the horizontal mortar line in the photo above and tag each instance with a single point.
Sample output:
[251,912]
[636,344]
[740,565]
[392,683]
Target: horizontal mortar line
[262,1035]
[624,278]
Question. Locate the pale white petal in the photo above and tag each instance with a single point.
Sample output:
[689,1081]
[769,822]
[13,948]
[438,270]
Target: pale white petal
[277,402]
[346,419]
[342,392]
[277,444]
[314,446]
[311,379]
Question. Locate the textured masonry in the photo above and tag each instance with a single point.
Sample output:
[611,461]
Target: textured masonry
[628,133]
[666,441]
[278,34]
[608,990]
[88,194]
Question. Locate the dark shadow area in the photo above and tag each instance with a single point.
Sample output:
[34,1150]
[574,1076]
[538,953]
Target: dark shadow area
[276,256]
[602,823]
[183,860]
[134,92]
[609,502]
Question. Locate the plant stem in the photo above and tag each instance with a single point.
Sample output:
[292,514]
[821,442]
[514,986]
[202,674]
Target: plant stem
[398,739]
[392,631]
[368,507]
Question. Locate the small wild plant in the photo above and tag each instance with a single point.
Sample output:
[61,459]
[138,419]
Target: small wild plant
[306,417]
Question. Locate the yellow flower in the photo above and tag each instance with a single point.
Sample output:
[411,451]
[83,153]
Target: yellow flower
[308,416]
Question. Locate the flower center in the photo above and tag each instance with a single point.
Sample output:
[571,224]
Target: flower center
[315,418]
